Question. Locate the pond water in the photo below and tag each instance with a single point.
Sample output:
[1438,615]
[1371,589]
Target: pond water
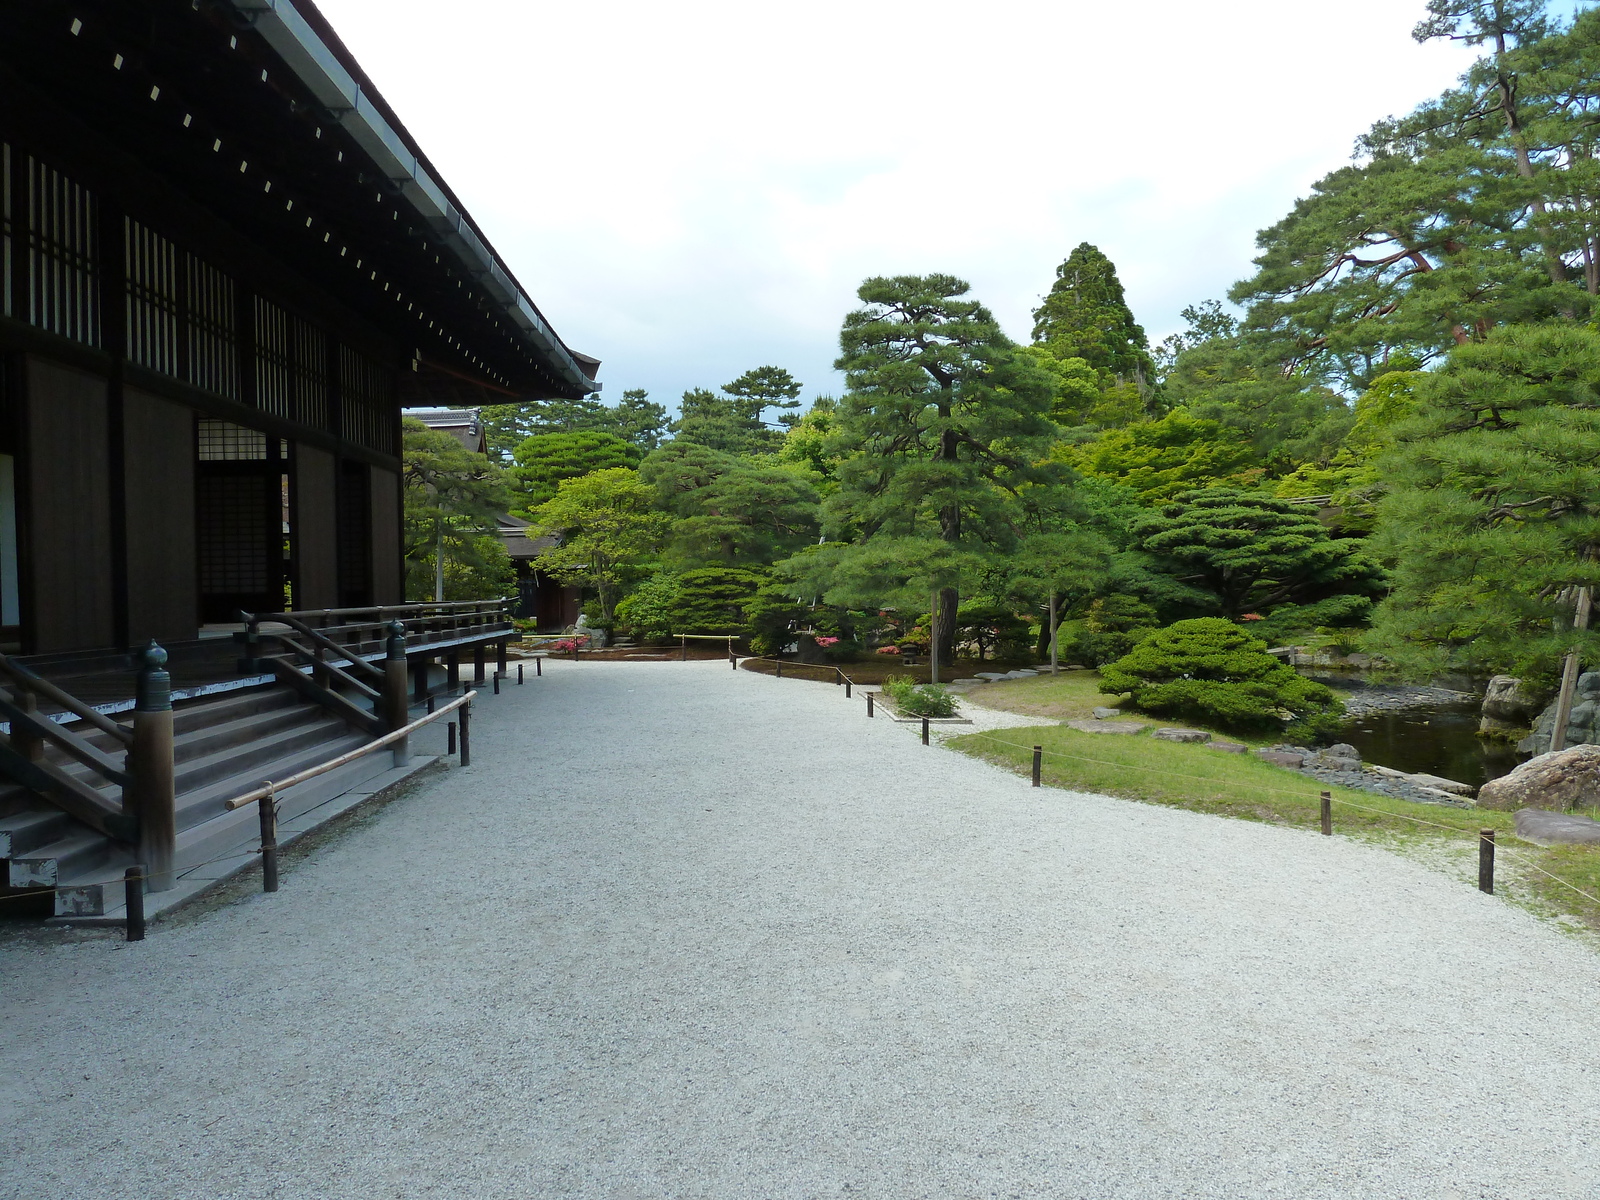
[1439,739]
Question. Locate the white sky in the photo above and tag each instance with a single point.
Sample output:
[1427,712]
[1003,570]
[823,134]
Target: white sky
[694,189]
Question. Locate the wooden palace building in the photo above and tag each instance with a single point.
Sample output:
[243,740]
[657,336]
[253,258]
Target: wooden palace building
[225,267]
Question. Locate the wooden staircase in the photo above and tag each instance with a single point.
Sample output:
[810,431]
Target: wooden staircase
[223,746]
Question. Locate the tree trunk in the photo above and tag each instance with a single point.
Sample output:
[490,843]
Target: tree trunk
[438,562]
[1055,626]
[949,603]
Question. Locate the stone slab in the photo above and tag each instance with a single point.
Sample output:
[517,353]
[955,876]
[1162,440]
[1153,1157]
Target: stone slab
[1182,735]
[1089,726]
[1544,828]
[1281,758]
[1423,779]
[1107,714]
[1230,747]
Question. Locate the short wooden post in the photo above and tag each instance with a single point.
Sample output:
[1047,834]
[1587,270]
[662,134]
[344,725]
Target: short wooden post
[847,687]
[574,649]
[1486,861]
[397,703]
[1327,814]
[430,704]
[497,683]
[133,901]
[450,743]
[466,735]
[1038,764]
[269,840]
[519,674]
[538,668]
[869,703]
[684,652]
[150,770]
[477,665]
[924,731]
[779,661]
[733,661]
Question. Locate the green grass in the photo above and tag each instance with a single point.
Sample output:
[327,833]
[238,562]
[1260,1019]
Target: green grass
[1244,787]
[1075,694]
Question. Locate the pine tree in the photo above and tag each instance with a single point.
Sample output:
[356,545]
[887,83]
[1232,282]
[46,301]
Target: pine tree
[942,423]
[1086,316]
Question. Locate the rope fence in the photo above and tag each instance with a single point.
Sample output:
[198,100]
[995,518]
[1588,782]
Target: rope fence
[1484,838]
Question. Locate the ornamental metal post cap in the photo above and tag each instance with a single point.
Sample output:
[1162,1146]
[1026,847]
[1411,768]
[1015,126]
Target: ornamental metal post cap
[153,686]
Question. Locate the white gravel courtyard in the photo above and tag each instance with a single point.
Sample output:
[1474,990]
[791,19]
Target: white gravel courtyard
[682,932]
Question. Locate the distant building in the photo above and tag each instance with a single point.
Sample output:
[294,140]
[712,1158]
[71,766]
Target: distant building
[463,424]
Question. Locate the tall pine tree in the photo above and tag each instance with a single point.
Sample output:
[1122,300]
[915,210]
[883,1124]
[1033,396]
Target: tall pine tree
[1086,316]
[942,423]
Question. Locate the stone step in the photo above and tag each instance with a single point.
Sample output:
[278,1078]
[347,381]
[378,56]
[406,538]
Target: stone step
[75,852]
[258,756]
[206,803]
[25,831]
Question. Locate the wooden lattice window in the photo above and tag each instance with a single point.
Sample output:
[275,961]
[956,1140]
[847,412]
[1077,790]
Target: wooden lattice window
[366,392]
[213,343]
[62,285]
[155,303]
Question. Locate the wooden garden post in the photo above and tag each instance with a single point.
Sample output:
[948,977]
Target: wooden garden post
[150,769]
[1569,676]
[396,698]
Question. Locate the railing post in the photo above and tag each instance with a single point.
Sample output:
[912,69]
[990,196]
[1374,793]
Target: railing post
[466,734]
[396,693]
[26,744]
[154,802]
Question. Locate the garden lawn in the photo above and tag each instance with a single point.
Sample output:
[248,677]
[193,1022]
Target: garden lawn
[1562,880]
[1074,695]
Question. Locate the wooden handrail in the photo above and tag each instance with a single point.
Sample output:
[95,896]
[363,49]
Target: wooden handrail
[73,745]
[45,690]
[326,643]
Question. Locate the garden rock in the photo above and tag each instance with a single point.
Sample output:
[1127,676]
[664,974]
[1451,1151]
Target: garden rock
[1181,735]
[1583,723]
[1107,726]
[1107,714]
[1282,758]
[1544,828]
[1230,747]
[991,676]
[1507,706]
[1422,779]
[1022,674]
[1563,780]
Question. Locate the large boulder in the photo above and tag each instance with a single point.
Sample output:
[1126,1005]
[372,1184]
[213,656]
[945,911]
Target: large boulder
[1583,723]
[1564,780]
[1508,707]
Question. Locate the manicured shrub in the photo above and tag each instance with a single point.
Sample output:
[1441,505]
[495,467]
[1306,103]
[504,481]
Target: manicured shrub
[919,700]
[1210,669]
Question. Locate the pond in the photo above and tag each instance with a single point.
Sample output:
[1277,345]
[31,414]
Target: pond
[1441,739]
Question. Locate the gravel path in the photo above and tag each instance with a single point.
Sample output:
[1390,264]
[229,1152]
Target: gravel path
[682,932]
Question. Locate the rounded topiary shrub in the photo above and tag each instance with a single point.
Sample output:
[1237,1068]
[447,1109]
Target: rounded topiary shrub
[1211,670]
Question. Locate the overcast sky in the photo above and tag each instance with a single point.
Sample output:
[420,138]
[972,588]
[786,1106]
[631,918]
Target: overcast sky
[693,189]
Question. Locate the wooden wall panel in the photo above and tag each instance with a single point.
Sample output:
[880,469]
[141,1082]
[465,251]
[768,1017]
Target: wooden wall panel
[388,571]
[159,456]
[315,529]
[67,584]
